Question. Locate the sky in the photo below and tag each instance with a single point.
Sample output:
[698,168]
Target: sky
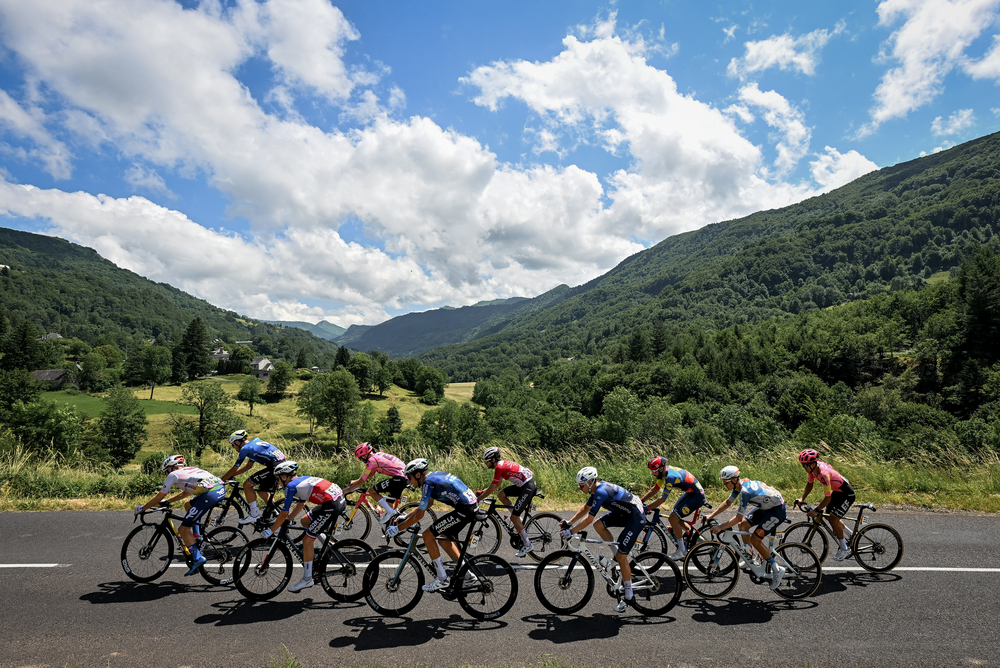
[353,161]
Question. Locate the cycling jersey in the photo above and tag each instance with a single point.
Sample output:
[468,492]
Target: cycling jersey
[260,452]
[512,471]
[192,480]
[383,463]
[756,493]
[614,497]
[441,486]
[311,489]
[829,478]
[679,479]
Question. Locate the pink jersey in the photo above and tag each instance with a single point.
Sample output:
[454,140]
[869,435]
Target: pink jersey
[384,463]
[512,471]
[830,479]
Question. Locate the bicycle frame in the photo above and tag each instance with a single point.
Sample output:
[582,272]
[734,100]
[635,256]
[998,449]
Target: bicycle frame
[822,521]
[758,568]
[168,521]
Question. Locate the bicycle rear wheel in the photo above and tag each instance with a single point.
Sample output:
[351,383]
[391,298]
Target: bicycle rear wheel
[147,552]
[264,569]
[658,542]
[564,582]
[390,594]
[485,536]
[222,546]
[803,573]
[491,591]
[809,535]
[341,570]
[711,569]
[656,583]
[359,525]
[878,548]
[430,517]
[543,532]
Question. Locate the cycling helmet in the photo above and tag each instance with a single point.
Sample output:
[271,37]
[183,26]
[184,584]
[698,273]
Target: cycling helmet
[657,462]
[172,461]
[287,467]
[363,451]
[586,474]
[415,467]
[808,456]
[729,473]
[237,436]
[491,455]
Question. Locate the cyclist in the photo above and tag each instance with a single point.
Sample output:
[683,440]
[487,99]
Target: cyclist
[625,510]
[838,497]
[522,487]
[391,487]
[327,499]
[207,490]
[447,488]
[258,452]
[767,515]
[691,499]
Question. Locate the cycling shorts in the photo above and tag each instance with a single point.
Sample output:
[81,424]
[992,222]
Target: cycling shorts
[264,480]
[450,525]
[688,503]
[768,521]
[524,494]
[201,504]
[391,488]
[633,524]
[841,500]
[327,512]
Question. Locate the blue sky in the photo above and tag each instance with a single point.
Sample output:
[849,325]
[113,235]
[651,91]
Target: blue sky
[307,160]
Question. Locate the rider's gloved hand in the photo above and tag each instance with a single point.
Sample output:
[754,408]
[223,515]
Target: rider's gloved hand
[391,531]
[138,509]
[266,533]
[565,533]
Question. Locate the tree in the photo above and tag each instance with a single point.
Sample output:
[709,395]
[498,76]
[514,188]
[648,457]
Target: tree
[195,350]
[17,385]
[310,400]
[280,379]
[122,425]
[22,349]
[393,421]
[154,366]
[383,379]
[361,368]
[250,392]
[340,400]
[621,414]
[92,372]
[302,358]
[214,422]
[433,380]
[112,356]
[343,357]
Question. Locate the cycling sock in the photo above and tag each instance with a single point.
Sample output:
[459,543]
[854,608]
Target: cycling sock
[843,543]
[195,552]
[253,508]
[770,560]
[308,568]
[388,508]
[847,533]
[628,589]
[523,533]
[439,567]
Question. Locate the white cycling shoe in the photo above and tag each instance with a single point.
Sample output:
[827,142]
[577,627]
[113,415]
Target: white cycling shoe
[677,555]
[437,584]
[776,575]
[621,605]
[304,583]
[249,519]
[841,555]
[528,547]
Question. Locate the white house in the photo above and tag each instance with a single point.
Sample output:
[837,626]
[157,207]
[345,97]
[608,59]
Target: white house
[261,367]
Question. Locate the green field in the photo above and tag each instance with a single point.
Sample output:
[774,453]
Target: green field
[91,405]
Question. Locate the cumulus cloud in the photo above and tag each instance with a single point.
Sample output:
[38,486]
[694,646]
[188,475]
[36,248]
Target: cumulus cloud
[29,124]
[833,169]
[784,52]
[958,122]
[788,120]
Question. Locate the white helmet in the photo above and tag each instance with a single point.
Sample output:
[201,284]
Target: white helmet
[586,474]
[287,467]
[729,473]
[172,461]
[237,436]
[415,467]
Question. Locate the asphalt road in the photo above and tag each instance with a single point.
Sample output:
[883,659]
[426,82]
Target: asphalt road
[85,612]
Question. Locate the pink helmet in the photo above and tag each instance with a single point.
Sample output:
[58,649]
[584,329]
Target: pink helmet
[363,451]
[808,456]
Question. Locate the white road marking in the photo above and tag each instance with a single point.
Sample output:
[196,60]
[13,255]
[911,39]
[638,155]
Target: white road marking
[34,565]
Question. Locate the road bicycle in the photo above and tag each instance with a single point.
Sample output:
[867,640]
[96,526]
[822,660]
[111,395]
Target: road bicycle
[484,585]
[542,529]
[658,536]
[363,515]
[235,507]
[712,568]
[877,547]
[564,580]
[149,548]
[265,566]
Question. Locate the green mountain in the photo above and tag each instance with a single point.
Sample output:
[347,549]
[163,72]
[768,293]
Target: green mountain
[68,289]
[322,329]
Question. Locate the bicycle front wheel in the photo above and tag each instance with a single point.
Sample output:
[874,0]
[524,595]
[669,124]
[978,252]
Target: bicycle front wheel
[809,535]
[222,546]
[564,582]
[393,588]
[803,572]
[711,569]
[430,517]
[878,548]
[341,570]
[355,524]
[658,540]
[147,552]
[488,587]
[656,583]
[543,532]
[264,569]
[485,537]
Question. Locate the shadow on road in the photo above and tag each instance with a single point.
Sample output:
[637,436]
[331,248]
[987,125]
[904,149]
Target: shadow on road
[737,611]
[134,592]
[376,632]
[837,582]
[242,611]
[571,628]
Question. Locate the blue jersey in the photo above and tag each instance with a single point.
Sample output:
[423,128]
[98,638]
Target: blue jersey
[679,479]
[756,493]
[614,497]
[445,487]
[260,452]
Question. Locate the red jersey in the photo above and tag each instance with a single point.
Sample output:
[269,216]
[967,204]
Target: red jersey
[512,471]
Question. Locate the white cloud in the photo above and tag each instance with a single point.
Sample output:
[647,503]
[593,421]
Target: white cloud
[987,67]
[930,44]
[833,169]
[140,177]
[789,121]
[958,122]
[784,52]
[28,124]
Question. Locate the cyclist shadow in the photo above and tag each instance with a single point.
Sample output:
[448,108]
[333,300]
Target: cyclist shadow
[837,582]
[377,632]
[242,611]
[135,592]
[737,611]
[571,628]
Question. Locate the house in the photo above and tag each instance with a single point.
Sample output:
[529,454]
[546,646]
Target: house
[261,367]
[220,354]
[52,336]
[56,378]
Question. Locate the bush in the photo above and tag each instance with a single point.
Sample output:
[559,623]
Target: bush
[151,463]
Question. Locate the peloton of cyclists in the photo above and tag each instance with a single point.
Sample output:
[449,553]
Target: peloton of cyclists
[522,488]
[389,488]
[837,500]
[257,452]
[691,499]
[207,492]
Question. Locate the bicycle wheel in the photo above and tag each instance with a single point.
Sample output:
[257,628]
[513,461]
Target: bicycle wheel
[485,536]
[341,570]
[543,532]
[228,513]
[809,535]
[147,552]
[878,548]
[491,591]
[803,573]
[659,540]
[222,546]
[564,582]
[390,590]
[358,526]
[264,569]
[430,517]
[711,569]
[656,583]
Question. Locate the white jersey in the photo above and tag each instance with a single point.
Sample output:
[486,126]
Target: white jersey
[757,494]
[190,479]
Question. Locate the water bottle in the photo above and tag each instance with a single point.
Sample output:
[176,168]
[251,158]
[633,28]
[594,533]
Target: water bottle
[534,507]
[604,561]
